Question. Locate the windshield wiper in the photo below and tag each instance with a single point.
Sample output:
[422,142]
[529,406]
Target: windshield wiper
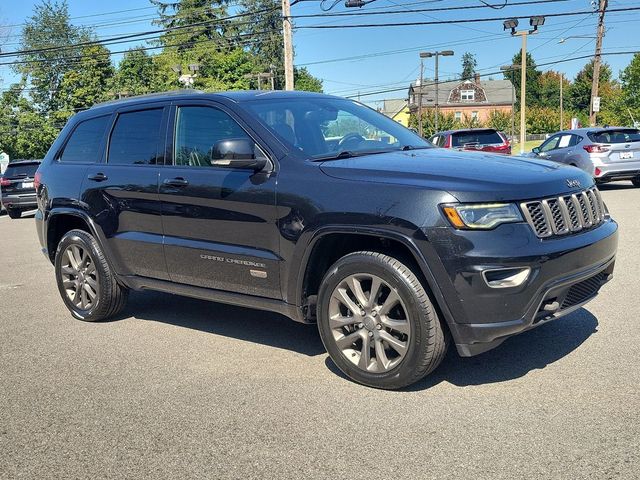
[349,154]
[406,148]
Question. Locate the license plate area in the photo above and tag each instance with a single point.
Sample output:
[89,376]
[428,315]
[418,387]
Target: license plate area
[626,155]
[26,185]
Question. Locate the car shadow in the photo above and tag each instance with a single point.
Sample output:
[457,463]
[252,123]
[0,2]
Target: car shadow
[513,359]
[247,324]
[517,356]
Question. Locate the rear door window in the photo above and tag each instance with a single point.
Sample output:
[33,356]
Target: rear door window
[136,138]
[626,135]
[481,137]
[84,144]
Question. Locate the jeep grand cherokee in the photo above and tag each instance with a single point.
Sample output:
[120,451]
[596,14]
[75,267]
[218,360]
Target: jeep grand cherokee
[323,210]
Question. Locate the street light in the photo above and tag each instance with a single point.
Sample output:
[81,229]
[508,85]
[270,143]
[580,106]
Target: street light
[562,40]
[511,24]
[443,53]
[512,69]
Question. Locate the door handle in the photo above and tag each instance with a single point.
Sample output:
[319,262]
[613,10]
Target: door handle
[176,182]
[97,177]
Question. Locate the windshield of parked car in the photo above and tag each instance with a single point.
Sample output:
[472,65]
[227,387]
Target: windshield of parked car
[331,127]
[615,136]
[479,137]
[25,169]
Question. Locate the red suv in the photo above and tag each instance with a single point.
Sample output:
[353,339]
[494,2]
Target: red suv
[473,139]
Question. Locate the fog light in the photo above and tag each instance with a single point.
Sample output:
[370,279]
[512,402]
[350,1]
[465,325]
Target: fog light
[506,277]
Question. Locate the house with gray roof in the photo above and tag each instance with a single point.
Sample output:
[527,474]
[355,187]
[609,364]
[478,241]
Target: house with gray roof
[473,98]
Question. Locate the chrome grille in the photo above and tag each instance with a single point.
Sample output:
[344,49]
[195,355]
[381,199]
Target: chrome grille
[565,214]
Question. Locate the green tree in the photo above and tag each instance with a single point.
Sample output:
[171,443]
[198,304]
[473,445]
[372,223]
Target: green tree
[48,27]
[469,64]
[137,74]
[630,82]
[88,81]
[500,120]
[533,75]
[580,91]
[549,89]
[303,80]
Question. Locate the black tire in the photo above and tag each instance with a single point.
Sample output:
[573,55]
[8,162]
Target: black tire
[636,181]
[428,340]
[110,297]
[13,213]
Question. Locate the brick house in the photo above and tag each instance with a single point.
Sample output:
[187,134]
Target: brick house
[473,98]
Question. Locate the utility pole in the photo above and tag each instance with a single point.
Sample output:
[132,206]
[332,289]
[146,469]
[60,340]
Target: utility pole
[512,69]
[511,24]
[422,57]
[561,102]
[603,4]
[288,45]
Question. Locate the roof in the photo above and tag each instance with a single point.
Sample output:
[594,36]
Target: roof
[24,162]
[498,92]
[393,106]
[236,96]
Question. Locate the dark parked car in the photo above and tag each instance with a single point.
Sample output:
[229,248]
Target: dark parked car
[609,154]
[474,139]
[325,211]
[17,190]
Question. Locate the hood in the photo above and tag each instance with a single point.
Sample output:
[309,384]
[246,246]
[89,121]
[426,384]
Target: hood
[470,177]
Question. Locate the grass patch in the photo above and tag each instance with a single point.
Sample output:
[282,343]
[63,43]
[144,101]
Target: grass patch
[515,149]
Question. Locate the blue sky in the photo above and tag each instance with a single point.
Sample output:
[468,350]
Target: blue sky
[387,57]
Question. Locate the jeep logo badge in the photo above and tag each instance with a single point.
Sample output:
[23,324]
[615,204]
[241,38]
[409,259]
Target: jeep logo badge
[572,183]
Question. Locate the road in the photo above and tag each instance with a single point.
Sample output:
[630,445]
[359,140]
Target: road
[181,388]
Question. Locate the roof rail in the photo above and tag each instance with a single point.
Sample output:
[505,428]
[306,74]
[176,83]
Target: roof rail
[150,96]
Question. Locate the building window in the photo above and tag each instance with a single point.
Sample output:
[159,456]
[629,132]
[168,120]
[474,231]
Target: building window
[467,95]
[458,115]
[474,115]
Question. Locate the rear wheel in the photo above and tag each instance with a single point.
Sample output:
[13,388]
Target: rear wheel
[86,283]
[377,322]
[14,213]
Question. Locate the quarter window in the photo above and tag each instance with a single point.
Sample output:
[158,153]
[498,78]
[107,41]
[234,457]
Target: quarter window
[84,144]
[135,139]
[198,129]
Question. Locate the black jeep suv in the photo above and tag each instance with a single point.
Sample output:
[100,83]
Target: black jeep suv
[17,190]
[323,210]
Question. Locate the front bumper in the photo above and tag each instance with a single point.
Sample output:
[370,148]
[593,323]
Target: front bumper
[566,272]
[21,201]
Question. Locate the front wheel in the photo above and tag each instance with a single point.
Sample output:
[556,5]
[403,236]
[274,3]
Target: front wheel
[377,322]
[13,213]
[86,283]
[636,181]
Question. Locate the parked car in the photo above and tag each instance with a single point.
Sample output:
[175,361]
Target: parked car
[17,191]
[608,154]
[473,139]
[325,211]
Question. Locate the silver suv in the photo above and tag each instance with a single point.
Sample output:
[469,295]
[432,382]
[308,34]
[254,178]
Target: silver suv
[611,153]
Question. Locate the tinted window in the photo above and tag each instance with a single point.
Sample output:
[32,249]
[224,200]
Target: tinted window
[481,137]
[84,144]
[28,169]
[135,139]
[615,136]
[198,129]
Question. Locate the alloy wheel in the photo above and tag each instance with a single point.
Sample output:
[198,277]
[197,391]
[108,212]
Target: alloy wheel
[369,322]
[79,277]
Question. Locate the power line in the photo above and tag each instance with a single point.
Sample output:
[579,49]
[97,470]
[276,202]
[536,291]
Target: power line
[456,21]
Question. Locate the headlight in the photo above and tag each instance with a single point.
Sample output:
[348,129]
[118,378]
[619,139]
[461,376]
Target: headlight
[481,216]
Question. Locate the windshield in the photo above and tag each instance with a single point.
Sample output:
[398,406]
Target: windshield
[325,127]
[28,169]
[615,136]
[479,137]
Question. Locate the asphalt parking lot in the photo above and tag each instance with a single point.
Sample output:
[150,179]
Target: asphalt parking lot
[181,388]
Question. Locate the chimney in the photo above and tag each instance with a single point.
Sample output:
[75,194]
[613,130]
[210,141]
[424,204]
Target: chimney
[476,78]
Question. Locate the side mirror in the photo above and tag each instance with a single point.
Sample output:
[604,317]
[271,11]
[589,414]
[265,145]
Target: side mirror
[536,150]
[238,153]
